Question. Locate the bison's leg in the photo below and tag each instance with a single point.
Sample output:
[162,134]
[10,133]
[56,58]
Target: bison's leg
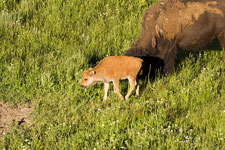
[116,89]
[106,88]
[221,38]
[169,61]
[132,82]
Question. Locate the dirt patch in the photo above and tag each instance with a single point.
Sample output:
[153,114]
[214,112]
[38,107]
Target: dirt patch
[19,116]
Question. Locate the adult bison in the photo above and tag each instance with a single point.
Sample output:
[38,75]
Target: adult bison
[170,25]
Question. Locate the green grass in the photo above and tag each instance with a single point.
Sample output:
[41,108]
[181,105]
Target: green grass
[46,45]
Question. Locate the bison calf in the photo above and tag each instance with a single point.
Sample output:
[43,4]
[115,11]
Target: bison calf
[113,69]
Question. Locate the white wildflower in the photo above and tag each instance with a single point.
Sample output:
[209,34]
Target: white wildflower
[26,140]
[203,70]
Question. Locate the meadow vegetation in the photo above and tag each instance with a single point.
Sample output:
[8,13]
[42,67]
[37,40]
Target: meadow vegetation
[46,45]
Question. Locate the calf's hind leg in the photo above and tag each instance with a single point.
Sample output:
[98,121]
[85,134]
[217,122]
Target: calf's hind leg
[221,38]
[116,89]
[132,82]
[137,89]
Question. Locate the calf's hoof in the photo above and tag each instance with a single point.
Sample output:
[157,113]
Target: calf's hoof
[122,98]
[126,97]
[104,101]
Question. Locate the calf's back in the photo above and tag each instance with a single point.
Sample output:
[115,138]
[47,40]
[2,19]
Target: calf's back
[119,67]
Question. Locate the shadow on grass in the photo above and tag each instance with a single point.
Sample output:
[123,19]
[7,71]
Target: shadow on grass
[182,54]
[93,59]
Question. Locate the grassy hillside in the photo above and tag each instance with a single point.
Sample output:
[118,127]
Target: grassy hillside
[46,45]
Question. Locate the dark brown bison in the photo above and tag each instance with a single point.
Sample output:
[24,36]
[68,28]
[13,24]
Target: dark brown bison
[170,25]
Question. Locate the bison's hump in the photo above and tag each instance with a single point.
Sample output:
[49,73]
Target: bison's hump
[177,15]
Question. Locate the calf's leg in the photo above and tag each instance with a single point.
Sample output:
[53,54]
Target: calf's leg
[132,82]
[116,89]
[137,90]
[106,88]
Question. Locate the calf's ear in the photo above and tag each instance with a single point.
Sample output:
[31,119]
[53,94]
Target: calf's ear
[92,73]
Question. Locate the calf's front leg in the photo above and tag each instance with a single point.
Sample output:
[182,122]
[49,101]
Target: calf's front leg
[106,88]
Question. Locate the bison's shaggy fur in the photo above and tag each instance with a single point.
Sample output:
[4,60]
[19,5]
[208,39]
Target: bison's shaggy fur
[170,25]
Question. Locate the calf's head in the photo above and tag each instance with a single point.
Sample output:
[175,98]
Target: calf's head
[88,78]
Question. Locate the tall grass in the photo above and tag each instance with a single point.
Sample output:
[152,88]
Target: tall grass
[46,45]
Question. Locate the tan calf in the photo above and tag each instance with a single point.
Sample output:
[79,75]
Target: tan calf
[114,68]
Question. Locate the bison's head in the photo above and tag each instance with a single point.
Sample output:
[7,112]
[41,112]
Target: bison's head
[136,52]
[133,51]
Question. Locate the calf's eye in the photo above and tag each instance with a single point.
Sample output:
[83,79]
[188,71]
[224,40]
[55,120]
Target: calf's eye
[85,79]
